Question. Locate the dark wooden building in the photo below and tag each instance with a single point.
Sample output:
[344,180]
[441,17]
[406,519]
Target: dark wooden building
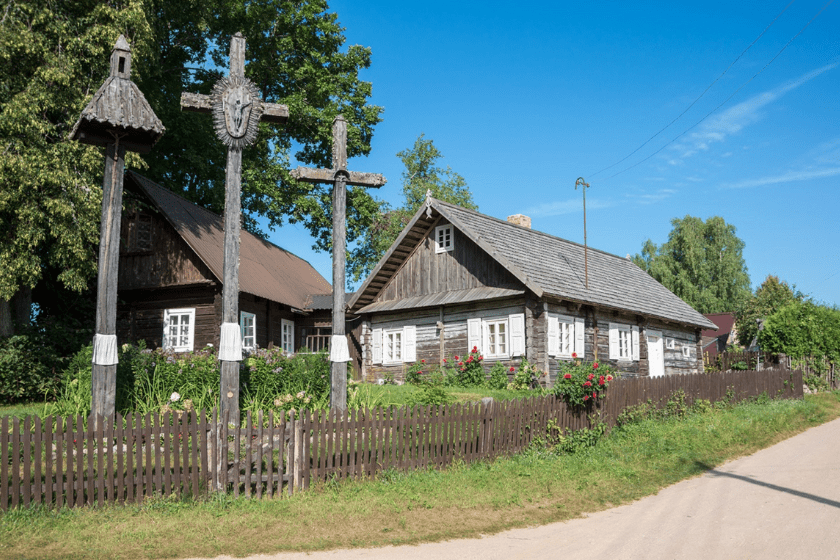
[455,279]
[170,291]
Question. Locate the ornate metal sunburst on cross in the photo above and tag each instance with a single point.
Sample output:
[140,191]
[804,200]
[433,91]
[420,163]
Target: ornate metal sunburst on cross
[237,109]
[339,177]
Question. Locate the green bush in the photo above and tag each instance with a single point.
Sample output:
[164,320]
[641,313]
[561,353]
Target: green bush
[527,376]
[471,372]
[27,369]
[413,376]
[580,382]
[498,376]
[163,380]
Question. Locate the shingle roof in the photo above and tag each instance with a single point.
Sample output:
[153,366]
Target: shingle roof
[265,269]
[549,265]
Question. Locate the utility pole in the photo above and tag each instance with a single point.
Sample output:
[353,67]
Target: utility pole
[584,185]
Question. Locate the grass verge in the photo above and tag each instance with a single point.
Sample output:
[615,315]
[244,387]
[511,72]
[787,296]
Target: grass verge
[536,487]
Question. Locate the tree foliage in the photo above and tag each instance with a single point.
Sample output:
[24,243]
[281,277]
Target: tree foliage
[802,328]
[54,55]
[422,173]
[702,262]
[772,295]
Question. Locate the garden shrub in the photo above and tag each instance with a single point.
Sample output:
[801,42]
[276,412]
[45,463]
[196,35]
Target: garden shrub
[27,369]
[498,376]
[579,383]
[413,376]
[470,368]
[525,377]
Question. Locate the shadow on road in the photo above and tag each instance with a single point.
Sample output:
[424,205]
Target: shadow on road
[819,499]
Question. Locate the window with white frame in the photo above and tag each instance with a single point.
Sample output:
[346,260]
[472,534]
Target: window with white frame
[495,338]
[178,329]
[443,238]
[394,345]
[686,351]
[624,342]
[565,336]
[248,327]
[287,335]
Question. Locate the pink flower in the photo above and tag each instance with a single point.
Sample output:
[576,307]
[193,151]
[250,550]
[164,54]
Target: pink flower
[444,360]
[609,378]
[512,368]
[469,359]
[475,349]
[595,365]
[461,364]
[574,354]
[456,358]
[591,376]
[587,384]
[567,376]
[422,361]
[586,397]
[480,358]
[594,395]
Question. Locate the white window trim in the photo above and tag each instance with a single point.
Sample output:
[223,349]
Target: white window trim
[686,351]
[632,340]
[190,335]
[446,246]
[285,323]
[563,322]
[242,316]
[485,338]
[387,357]
[670,344]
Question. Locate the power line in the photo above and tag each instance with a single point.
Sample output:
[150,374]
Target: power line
[667,126]
[725,101]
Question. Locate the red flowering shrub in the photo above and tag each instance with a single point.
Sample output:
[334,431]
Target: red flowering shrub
[576,382]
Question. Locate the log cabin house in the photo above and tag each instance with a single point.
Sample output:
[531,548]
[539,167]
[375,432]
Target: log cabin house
[455,279]
[170,271]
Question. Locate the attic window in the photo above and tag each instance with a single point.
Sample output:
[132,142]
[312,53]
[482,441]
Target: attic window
[140,233]
[443,238]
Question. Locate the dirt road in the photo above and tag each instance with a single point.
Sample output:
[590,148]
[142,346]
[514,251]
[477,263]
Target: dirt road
[782,502]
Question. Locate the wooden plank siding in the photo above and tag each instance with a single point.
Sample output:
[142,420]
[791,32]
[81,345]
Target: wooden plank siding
[169,262]
[426,272]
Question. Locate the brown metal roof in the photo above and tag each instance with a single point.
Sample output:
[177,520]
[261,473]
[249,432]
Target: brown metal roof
[265,269]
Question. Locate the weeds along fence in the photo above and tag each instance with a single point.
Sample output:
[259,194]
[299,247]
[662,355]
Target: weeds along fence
[744,360]
[66,462]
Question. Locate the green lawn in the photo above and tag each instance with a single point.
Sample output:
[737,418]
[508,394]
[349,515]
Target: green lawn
[535,487]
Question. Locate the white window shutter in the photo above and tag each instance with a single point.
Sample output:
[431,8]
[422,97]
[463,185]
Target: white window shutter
[409,343]
[553,336]
[165,340]
[377,346]
[635,334]
[474,334]
[580,330]
[517,334]
[613,341]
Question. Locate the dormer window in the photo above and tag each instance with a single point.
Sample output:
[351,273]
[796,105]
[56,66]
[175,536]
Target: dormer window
[443,238]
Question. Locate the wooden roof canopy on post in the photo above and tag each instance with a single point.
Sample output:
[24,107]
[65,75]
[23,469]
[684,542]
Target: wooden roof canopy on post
[120,118]
[119,107]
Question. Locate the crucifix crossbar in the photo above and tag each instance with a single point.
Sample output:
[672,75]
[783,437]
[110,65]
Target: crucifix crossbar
[237,109]
[339,177]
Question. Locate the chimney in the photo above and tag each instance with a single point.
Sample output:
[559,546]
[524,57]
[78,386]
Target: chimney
[520,220]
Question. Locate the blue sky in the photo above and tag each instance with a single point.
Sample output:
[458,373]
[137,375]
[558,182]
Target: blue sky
[524,98]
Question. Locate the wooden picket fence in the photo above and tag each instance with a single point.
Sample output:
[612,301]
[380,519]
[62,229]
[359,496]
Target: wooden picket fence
[66,462]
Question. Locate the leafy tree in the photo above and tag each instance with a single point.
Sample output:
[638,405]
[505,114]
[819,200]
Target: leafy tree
[802,328]
[769,297]
[54,55]
[701,262]
[421,174]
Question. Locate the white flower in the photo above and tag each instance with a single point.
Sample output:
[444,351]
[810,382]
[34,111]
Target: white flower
[174,397]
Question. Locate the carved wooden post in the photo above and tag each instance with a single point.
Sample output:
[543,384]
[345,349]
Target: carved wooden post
[119,117]
[339,177]
[237,109]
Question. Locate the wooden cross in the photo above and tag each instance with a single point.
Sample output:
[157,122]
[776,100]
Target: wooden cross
[237,108]
[339,177]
